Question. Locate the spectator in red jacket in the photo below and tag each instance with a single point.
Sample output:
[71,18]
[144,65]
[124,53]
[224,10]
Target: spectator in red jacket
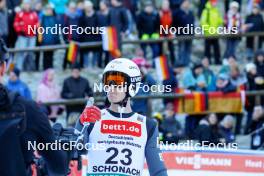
[166,21]
[25,25]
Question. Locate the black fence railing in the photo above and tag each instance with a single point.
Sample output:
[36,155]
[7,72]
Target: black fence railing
[255,35]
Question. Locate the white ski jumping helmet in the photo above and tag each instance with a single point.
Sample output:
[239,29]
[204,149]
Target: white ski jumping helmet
[123,70]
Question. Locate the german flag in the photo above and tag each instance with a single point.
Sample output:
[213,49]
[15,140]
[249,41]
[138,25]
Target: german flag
[178,103]
[110,41]
[195,103]
[162,68]
[203,103]
[72,52]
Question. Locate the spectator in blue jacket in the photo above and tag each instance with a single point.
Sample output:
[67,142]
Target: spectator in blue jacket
[16,85]
[183,18]
[200,83]
[224,84]
[103,21]
[191,80]
[71,18]
[118,18]
[60,8]
[184,76]
[48,19]
[90,20]
[209,75]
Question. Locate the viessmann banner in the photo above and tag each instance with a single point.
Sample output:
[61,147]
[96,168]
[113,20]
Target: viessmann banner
[206,163]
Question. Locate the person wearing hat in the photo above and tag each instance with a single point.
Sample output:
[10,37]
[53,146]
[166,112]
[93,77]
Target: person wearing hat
[253,23]
[15,84]
[233,23]
[199,77]
[237,77]
[227,4]
[251,71]
[254,82]
[184,76]
[124,150]
[22,122]
[223,84]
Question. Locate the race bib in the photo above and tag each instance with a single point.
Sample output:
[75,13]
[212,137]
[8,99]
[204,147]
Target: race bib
[123,142]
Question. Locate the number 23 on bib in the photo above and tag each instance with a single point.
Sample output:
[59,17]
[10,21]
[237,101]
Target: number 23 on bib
[123,141]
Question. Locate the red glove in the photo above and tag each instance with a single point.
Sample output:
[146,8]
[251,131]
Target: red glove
[90,115]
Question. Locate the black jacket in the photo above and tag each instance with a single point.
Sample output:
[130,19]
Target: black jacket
[260,68]
[118,17]
[91,22]
[15,159]
[252,127]
[148,23]
[75,88]
[103,19]
[182,19]
[207,134]
[257,26]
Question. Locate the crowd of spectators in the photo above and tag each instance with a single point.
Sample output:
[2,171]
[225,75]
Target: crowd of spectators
[143,20]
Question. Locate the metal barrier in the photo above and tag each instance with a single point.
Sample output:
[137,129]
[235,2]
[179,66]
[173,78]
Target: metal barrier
[160,40]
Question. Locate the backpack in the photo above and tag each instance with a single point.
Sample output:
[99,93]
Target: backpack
[12,126]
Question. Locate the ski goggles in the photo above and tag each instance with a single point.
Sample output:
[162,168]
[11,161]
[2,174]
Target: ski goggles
[115,78]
